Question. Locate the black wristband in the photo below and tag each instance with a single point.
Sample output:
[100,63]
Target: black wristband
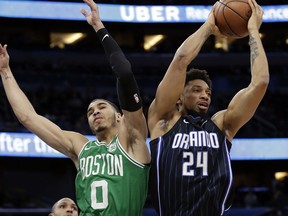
[127,88]
[101,34]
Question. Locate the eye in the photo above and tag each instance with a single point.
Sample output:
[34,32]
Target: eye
[102,107]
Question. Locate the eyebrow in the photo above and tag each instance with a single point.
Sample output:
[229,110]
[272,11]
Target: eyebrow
[75,206]
[199,86]
[99,104]
[68,203]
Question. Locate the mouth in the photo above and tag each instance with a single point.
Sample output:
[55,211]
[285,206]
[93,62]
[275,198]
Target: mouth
[203,105]
[97,119]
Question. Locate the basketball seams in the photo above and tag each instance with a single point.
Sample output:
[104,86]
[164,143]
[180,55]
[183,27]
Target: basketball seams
[236,12]
[229,26]
[222,6]
[233,20]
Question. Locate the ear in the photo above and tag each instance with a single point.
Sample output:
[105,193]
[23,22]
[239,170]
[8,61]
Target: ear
[180,102]
[118,117]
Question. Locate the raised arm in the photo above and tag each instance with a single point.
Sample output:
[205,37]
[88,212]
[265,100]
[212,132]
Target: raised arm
[24,111]
[171,86]
[127,88]
[244,104]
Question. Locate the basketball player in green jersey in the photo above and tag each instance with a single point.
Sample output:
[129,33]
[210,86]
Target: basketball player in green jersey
[113,170]
[64,207]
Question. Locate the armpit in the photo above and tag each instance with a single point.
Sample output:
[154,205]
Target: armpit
[162,124]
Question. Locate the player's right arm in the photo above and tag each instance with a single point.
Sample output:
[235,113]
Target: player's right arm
[245,103]
[170,88]
[50,133]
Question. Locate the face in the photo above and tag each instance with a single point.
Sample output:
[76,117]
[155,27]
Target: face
[65,207]
[102,115]
[196,96]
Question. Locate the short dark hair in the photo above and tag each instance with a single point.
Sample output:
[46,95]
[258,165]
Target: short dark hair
[195,73]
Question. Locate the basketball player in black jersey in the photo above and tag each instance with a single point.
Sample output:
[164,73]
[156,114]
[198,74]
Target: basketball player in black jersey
[191,172]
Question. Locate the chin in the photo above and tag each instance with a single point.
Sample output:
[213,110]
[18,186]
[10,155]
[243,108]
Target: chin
[100,129]
[202,113]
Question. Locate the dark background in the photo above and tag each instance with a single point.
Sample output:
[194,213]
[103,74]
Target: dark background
[61,83]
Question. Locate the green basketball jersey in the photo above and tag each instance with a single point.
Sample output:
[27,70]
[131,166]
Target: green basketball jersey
[109,181]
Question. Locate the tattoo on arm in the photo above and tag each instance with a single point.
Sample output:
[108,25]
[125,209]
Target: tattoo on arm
[253,48]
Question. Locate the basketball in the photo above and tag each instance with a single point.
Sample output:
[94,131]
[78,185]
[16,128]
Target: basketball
[231,17]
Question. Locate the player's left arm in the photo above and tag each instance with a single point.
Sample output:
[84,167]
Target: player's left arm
[134,132]
[244,104]
[127,89]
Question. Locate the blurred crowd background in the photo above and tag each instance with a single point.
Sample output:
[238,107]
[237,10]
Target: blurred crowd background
[60,81]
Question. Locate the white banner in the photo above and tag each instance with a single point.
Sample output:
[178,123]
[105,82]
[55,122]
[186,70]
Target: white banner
[123,13]
[29,145]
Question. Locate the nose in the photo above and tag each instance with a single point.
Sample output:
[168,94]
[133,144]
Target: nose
[95,112]
[70,210]
[205,95]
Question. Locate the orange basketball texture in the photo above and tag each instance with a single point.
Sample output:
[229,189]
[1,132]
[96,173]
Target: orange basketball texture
[231,17]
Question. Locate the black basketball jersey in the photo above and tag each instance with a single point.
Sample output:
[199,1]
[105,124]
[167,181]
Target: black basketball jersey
[191,172]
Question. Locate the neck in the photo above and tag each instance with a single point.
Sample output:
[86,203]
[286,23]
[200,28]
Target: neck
[105,137]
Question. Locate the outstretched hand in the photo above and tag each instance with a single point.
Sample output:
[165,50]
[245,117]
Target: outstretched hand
[93,17]
[255,20]
[4,58]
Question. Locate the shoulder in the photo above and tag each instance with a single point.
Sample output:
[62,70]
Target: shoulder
[76,137]
[159,127]
[218,117]
[78,140]
[157,114]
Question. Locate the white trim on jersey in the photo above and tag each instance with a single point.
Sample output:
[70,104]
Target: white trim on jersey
[157,166]
[83,148]
[230,181]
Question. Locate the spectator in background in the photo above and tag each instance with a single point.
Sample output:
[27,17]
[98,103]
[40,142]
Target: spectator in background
[280,197]
[63,207]
[251,199]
